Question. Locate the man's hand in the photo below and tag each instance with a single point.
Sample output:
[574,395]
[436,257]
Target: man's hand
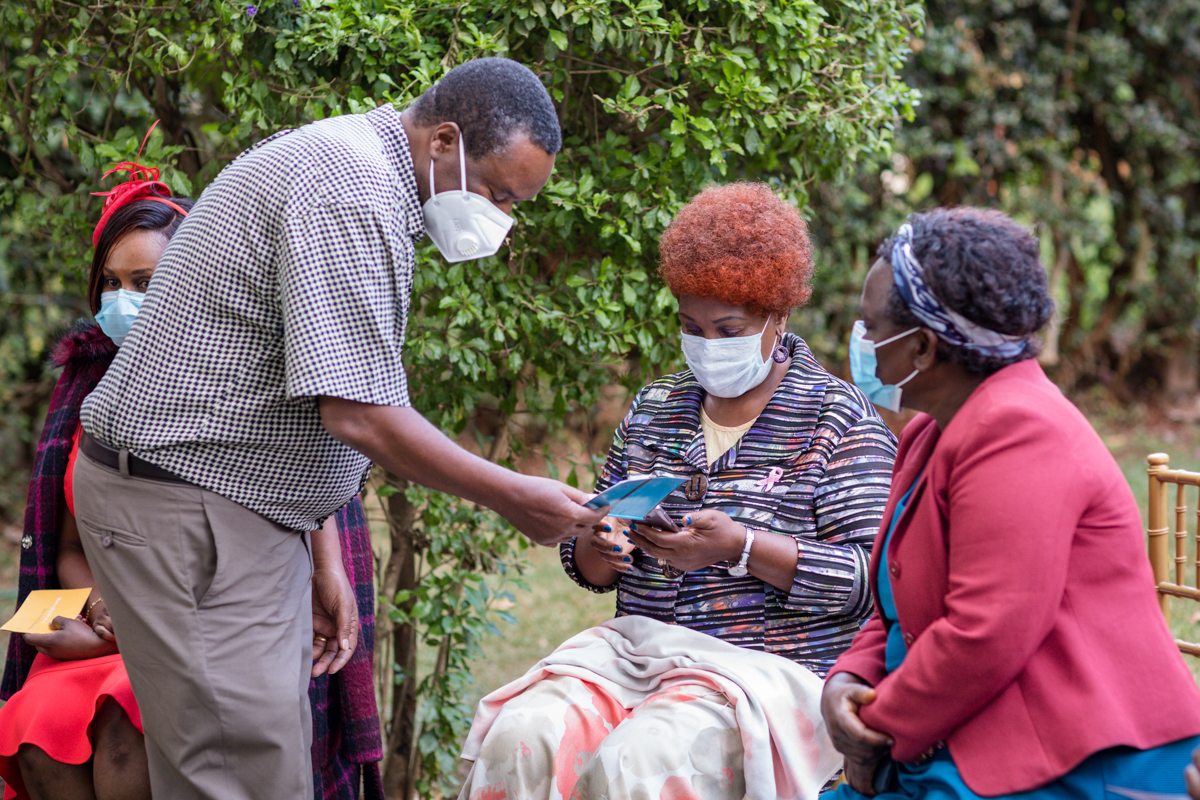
[335,620]
[548,512]
[844,694]
[71,640]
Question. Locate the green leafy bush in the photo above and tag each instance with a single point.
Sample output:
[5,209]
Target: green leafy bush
[656,99]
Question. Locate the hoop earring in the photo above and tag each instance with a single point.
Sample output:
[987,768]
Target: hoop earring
[780,353]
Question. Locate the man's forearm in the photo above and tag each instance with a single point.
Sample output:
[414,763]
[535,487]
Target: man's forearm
[405,443]
[326,547]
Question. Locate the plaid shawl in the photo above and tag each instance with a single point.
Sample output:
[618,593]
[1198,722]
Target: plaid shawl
[347,742]
[355,741]
[84,353]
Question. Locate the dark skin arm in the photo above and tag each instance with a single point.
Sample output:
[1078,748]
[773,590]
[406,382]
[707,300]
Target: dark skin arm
[335,610]
[863,747]
[402,441]
[75,639]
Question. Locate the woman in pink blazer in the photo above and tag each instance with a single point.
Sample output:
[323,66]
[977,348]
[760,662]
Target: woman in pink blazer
[1017,646]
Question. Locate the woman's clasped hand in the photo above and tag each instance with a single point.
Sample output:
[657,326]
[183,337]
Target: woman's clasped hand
[72,639]
[864,748]
[706,538]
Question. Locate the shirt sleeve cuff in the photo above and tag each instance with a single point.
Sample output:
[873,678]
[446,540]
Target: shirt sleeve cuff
[566,552]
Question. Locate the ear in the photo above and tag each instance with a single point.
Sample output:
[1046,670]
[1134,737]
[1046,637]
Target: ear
[781,323]
[444,140]
[924,349]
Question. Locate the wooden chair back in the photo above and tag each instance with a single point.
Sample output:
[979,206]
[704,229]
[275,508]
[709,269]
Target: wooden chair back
[1170,571]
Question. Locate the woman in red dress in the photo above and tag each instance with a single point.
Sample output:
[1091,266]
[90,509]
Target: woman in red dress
[73,729]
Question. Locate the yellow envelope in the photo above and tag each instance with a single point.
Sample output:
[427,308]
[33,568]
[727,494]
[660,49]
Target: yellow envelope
[42,606]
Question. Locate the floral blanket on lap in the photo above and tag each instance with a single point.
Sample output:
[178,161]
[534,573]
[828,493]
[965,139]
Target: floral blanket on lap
[777,703]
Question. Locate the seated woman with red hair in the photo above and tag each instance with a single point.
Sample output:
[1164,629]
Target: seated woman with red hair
[706,684]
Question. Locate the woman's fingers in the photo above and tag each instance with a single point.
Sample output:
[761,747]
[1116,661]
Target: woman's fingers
[613,546]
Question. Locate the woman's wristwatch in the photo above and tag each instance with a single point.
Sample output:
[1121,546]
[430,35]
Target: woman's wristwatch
[739,570]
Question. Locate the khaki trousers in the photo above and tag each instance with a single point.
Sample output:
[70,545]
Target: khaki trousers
[213,612]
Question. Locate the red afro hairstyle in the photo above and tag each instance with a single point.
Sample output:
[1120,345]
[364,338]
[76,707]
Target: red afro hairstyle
[741,244]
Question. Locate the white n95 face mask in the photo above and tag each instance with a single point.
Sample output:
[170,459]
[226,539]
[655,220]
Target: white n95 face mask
[464,225]
[727,367]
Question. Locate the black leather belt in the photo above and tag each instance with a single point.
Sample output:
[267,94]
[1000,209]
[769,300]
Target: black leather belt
[135,467]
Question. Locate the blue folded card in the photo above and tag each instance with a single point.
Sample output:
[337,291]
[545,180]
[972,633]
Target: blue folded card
[635,498]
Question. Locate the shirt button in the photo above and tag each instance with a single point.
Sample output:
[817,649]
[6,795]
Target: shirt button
[908,638]
[894,569]
[696,486]
[106,540]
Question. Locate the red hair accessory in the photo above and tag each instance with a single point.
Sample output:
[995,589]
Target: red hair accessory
[143,184]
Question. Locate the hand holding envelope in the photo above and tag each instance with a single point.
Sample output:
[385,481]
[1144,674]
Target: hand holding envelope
[46,618]
[636,499]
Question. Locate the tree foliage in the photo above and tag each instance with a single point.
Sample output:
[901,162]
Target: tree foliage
[656,99]
[1083,120]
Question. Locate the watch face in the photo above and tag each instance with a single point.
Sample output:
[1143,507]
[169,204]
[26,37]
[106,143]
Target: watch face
[738,572]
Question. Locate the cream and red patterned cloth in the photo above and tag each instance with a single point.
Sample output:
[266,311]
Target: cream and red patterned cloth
[624,673]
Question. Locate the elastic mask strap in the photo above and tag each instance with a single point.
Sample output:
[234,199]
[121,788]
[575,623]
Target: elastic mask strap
[912,375]
[462,169]
[891,339]
[462,163]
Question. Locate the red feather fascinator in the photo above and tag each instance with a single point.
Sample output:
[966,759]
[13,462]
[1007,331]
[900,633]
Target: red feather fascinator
[143,184]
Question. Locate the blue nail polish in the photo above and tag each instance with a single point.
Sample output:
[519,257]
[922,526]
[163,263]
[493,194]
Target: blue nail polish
[608,528]
[616,548]
[633,526]
[687,521]
[626,534]
[626,559]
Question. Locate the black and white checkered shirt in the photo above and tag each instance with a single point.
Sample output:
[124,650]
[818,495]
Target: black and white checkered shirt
[290,279]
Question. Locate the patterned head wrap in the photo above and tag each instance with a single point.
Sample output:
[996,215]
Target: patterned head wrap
[143,184]
[949,325]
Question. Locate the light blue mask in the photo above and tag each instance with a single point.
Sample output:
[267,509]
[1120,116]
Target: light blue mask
[863,366]
[117,312]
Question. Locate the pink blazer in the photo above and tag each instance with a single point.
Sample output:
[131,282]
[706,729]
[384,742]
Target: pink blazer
[1025,595]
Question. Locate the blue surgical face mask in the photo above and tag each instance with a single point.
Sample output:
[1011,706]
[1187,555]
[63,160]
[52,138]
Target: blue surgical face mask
[117,312]
[863,366]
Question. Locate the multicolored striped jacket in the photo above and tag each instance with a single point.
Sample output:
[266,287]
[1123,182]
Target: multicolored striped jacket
[816,465]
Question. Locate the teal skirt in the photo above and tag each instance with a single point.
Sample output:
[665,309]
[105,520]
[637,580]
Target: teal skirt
[1119,773]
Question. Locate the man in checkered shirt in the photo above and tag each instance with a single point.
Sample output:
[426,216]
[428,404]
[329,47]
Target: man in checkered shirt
[262,377]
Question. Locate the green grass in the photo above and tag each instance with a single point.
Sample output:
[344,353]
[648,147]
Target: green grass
[553,611]
[1131,437]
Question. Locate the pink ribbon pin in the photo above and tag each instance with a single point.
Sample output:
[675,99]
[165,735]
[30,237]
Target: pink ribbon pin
[772,478]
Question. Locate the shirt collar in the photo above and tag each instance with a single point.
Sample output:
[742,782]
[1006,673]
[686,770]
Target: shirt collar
[386,121]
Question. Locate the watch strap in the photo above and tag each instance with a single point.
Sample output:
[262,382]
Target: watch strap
[740,569]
